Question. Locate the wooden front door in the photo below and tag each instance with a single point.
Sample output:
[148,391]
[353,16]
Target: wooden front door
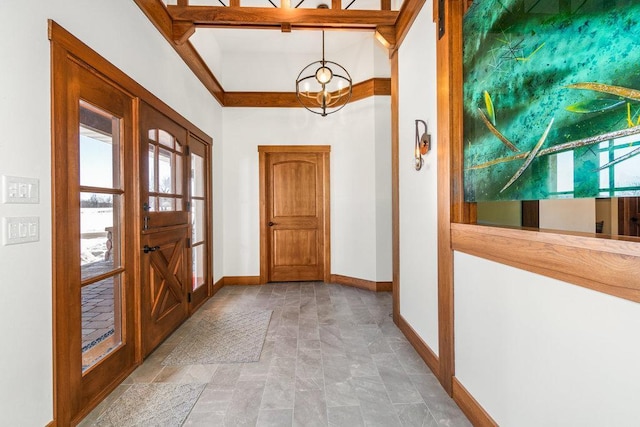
[94,239]
[629,216]
[165,231]
[295,226]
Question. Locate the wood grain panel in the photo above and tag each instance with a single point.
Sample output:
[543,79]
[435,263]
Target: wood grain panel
[247,16]
[605,265]
[361,283]
[297,183]
[293,248]
[420,346]
[471,408]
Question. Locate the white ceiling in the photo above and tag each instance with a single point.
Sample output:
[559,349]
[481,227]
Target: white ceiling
[270,60]
[275,41]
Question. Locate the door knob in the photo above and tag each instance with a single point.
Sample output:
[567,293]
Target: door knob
[271,224]
[146,249]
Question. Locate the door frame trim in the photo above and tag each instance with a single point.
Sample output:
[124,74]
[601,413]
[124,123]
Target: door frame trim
[324,150]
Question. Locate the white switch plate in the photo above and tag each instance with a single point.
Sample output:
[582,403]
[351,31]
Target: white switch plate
[20,230]
[17,189]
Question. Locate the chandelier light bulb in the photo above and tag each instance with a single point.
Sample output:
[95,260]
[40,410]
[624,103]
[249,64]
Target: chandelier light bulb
[324,75]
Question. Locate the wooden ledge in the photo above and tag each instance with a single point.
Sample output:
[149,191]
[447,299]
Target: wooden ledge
[609,265]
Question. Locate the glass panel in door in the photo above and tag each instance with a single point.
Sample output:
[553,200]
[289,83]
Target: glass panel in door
[101,213]
[198,219]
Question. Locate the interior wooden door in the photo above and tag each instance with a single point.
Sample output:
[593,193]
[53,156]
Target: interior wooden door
[296,217]
[165,227]
[629,216]
[94,239]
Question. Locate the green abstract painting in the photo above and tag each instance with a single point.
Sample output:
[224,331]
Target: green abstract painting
[551,99]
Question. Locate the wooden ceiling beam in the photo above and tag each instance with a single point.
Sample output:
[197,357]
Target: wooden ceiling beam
[157,13]
[260,16]
[377,86]
[182,30]
[386,35]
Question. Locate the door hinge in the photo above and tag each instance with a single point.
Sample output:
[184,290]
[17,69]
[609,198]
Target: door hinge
[189,297]
[188,206]
[441,18]
[187,151]
[188,243]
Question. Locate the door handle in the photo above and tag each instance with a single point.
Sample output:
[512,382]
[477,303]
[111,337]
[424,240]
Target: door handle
[146,249]
[271,224]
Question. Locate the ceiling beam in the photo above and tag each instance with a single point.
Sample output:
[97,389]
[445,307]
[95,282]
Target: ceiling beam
[182,30]
[387,36]
[205,16]
[377,86]
[157,13]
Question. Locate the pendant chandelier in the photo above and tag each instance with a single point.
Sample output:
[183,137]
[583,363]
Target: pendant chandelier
[323,87]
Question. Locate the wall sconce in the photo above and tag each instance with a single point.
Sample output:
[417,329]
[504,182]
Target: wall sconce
[423,144]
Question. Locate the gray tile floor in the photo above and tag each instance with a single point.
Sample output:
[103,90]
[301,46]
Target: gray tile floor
[332,357]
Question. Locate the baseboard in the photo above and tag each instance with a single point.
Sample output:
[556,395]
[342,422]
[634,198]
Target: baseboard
[421,347]
[52,423]
[217,286]
[470,406]
[361,283]
[240,280]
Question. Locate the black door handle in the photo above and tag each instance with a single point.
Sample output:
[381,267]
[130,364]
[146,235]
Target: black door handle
[634,219]
[271,224]
[146,249]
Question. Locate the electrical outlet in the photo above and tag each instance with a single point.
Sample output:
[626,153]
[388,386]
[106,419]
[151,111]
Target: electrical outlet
[17,189]
[18,230]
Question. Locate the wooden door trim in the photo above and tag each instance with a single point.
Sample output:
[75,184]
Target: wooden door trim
[263,151]
[64,201]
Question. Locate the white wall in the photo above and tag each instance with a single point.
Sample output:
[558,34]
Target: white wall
[418,189]
[535,351]
[568,214]
[354,145]
[119,31]
[507,213]
[384,236]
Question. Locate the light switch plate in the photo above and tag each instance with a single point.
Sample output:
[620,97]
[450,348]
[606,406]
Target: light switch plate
[18,230]
[17,189]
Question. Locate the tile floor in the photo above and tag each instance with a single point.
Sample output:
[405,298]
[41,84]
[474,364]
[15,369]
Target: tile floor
[332,357]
